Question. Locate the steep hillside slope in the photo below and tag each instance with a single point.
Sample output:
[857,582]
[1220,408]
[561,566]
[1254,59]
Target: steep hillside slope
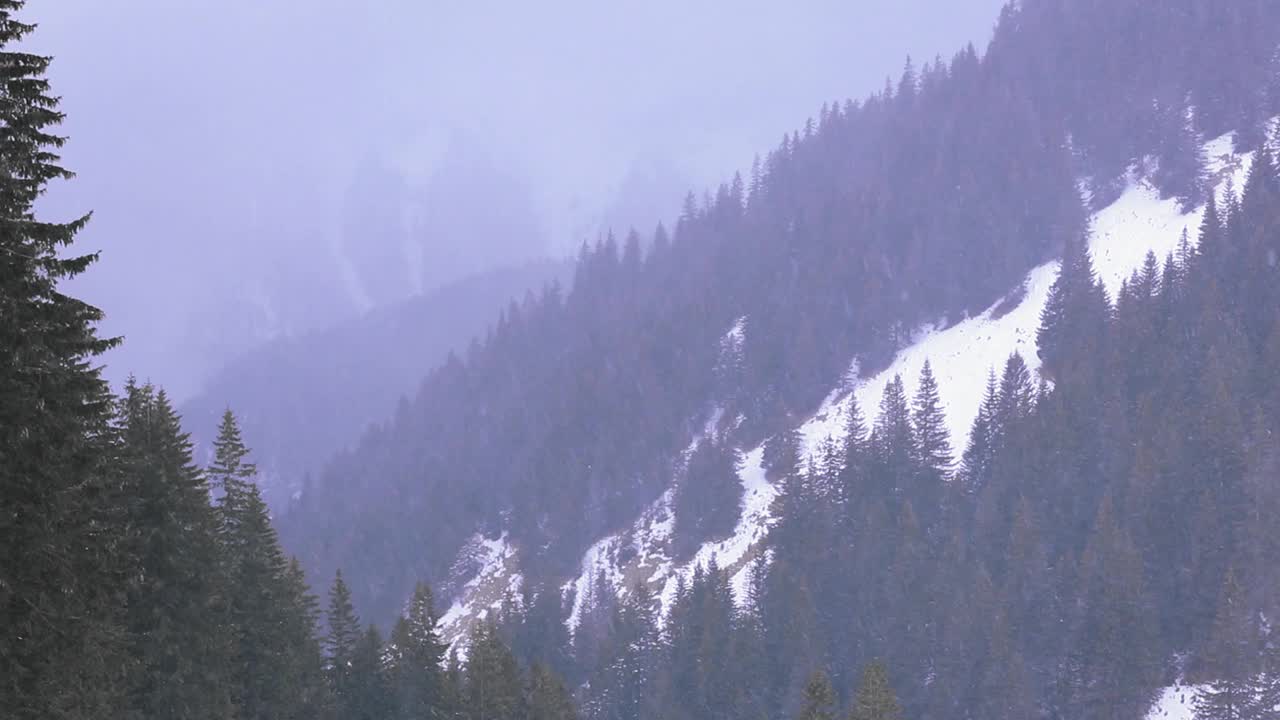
[1122,234]
[923,204]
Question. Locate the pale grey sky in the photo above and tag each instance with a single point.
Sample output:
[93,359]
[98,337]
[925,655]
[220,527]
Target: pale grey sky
[264,167]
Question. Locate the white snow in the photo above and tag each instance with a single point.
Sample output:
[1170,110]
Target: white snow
[758,495]
[597,561]
[1176,702]
[494,581]
[649,540]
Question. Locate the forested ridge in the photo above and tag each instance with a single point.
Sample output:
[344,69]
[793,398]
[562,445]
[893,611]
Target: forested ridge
[928,200]
[1107,529]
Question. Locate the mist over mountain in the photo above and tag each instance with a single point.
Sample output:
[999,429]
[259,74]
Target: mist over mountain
[288,166]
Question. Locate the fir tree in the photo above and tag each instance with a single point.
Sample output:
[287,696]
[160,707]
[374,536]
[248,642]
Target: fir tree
[417,670]
[1074,316]
[933,442]
[277,663]
[1016,397]
[63,531]
[369,693]
[893,439]
[783,453]
[340,644]
[548,697]
[875,699]
[975,464]
[819,699]
[1230,660]
[177,617]
[494,690]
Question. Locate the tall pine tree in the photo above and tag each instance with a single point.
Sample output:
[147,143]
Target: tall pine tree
[63,532]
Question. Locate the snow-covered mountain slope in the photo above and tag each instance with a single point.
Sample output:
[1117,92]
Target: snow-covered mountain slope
[1175,702]
[1178,702]
[961,355]
[491,570]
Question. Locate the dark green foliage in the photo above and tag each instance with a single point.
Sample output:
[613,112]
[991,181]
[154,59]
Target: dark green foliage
[417,658]
[341,642]
[1231,659]
[548,697]
[623,680]
[894,446]
[493,689]
[1073,322]
[1083,549]
[64,536]
[819,699]
[368,691]
[276,664]
[707,501]
[783,454]
[178,622]
[875,699]
[975,463]
[930,425]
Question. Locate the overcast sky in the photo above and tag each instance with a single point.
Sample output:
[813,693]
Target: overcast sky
[265,167]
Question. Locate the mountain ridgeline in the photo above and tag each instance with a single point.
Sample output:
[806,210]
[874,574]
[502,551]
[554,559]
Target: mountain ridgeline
[284,392]
[928,200]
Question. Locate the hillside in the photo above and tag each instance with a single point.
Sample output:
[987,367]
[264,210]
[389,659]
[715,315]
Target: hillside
[665,453]
[962,355]
[922,204]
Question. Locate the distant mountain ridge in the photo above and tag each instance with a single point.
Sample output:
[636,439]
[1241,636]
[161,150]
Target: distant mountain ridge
[302,398]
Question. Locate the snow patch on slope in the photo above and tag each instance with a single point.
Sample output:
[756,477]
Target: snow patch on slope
[733,553]
[494,581]
[962,355]
[645,544]
[1176,702]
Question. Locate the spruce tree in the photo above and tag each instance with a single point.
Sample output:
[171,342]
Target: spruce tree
[549,699]
[342,639]
[369,692]
[933,442]
[975,464]
[277,662]
[1016,397]
[819,701]
[893,439]
[417,671]
[302,667]
[1230,659]
[63,530]
[1074,318]
[784,453]
[177,615]
[494,690]
[875,699]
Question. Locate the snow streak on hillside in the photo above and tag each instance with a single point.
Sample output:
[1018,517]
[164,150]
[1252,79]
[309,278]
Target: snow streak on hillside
[961,355]
[495,580]
[647,542]
[1176,702]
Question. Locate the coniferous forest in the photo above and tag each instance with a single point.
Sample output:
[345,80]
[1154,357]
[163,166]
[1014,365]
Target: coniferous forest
[1111,526]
